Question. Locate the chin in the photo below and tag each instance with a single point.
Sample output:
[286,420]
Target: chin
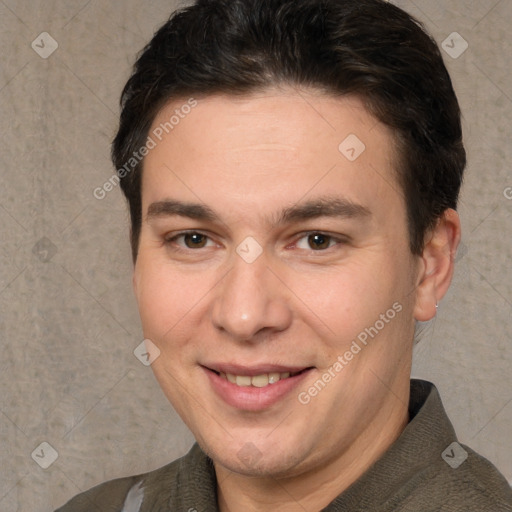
[246,459]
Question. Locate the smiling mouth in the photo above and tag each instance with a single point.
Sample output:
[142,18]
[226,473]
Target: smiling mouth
[258,381]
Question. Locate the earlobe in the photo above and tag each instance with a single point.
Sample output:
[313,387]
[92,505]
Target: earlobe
[426,299]
[438,265]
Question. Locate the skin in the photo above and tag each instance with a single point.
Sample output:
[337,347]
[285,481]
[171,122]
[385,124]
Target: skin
[248,158]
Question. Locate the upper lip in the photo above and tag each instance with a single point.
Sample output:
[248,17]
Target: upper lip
[251,371]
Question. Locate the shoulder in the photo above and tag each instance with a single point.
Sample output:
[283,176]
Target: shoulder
[466,481]
[427,469]
[123,493]
[448,475]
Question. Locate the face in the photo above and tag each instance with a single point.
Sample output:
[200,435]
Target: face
[275,277]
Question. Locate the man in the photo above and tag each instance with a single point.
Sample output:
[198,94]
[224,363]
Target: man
[292,171]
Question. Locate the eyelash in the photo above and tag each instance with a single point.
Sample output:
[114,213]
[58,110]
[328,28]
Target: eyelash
[169,241]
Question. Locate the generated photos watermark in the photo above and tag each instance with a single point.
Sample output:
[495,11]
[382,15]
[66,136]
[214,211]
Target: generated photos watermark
[356,346]
[156,136]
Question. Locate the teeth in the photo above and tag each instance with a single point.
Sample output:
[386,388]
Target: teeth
[243,380]
[258,381]
[273,377]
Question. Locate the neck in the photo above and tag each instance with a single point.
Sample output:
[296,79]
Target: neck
[320,484]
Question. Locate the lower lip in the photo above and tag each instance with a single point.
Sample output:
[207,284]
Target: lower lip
[251,398]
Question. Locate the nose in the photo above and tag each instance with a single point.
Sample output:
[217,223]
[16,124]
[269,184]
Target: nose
[251,302]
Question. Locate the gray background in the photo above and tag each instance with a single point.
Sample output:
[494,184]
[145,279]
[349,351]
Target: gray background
[68,321]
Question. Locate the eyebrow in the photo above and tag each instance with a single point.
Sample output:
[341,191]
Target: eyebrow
[334,207]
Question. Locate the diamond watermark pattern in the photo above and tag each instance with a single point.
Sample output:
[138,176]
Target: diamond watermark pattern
[44,45]
[454,455]
[249,250]
[45,455]
[352,147]
[249,454]
[454,45]
[44,249]
[147,352]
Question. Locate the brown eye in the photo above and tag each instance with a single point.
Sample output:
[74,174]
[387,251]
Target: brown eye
[319,241]
[195,240]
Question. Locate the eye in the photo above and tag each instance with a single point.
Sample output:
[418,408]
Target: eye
[317,241]
[190,240]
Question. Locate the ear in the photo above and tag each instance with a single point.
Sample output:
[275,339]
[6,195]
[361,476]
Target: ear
[438,260]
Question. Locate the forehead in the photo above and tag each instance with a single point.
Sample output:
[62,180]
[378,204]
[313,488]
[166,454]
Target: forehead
[282,145]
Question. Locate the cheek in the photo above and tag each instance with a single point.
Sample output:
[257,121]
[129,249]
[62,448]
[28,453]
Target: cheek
[166,299]
[342,303]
